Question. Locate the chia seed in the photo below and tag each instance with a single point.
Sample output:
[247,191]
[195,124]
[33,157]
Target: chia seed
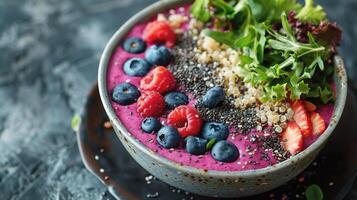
[273,142]
[253,139]
[243,120]
[197,78]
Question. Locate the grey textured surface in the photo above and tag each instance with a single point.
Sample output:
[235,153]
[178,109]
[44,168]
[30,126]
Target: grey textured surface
[49,53]
[48,62]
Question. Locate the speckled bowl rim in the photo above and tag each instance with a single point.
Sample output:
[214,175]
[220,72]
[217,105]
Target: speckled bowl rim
[102,84]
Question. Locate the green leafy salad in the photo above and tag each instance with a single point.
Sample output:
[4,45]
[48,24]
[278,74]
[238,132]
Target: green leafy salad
[286,47]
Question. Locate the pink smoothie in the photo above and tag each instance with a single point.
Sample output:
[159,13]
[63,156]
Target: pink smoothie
[252,156]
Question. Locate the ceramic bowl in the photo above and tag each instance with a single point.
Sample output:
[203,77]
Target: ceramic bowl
[203,182]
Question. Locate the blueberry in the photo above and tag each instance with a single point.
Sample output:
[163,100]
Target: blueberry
[125,94]
[134,45]
[225,151]
[158,55]
[136,67]
[216,130]
[213,97]
[150,125]
[195,145]
[168,137]
[174,99]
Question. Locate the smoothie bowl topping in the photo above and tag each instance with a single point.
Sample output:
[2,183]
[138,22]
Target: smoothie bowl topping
[227,85]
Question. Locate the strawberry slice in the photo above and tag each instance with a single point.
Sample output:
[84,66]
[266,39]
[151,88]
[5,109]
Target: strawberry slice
[292,139]
[309,106]
[318,124]
[302,118]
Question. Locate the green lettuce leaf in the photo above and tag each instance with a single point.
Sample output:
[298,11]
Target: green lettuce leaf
[223,8]
[210,143]
[298,89]
[311,13]
[271,10]
[314,192]
[274,93]
[200,11]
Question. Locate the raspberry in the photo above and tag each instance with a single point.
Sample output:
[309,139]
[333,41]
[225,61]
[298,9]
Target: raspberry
[157,32]
[159,79]
[151,104]
[186,119]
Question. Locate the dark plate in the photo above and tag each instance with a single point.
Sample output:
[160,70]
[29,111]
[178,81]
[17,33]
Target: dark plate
[334,170]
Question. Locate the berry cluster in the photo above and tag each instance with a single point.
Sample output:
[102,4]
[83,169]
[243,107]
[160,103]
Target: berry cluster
[156,94]
[185,126]
[155,55]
